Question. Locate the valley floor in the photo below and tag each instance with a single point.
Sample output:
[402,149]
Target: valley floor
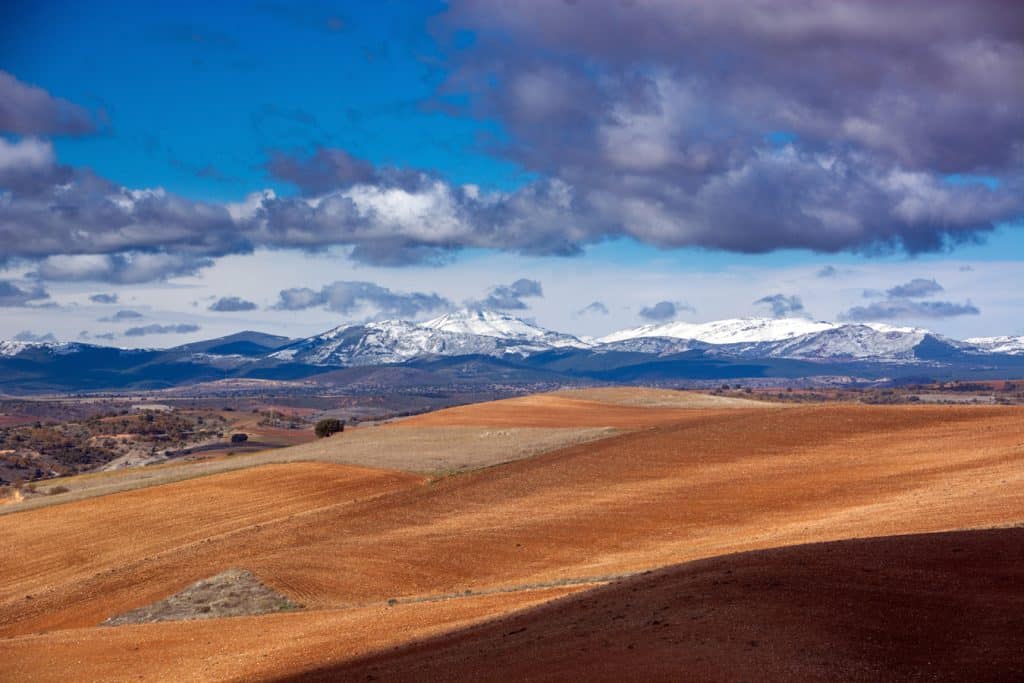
[573,535]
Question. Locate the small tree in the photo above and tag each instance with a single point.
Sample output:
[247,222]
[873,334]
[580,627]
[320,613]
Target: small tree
[328,426]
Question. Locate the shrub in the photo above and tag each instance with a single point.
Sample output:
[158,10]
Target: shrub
[328,426]
[239,438]
[58,489]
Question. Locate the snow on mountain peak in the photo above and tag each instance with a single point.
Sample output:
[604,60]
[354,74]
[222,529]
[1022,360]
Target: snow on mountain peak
[1002,344]
[11,348]
[731,331]
[485,323]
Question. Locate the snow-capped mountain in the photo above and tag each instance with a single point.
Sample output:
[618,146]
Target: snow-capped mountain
[388,341]
[660,352]
[1013,346]
[12,348]
[487,323]
[731,331]
[797,338]
[521,351]
[454,334]
[846,342]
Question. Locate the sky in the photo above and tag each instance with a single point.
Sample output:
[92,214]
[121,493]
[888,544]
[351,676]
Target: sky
[172,172]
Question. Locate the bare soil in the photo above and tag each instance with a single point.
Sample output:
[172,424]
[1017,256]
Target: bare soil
[935,607]
[380,558]
[431,450]
[620,408]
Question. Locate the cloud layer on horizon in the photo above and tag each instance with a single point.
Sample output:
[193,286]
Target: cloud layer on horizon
[904,302]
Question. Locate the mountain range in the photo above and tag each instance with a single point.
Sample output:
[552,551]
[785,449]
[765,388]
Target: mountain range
[496,344]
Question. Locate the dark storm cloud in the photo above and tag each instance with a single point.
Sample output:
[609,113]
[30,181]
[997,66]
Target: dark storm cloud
[663,310]
[782,305]
[349,297]
[915,289]
[232,304]
[905,308]
[29,110]
[103,298]
[595,308]
[21,295]
[509,297]
[122,316]
[29,336]
[181,328]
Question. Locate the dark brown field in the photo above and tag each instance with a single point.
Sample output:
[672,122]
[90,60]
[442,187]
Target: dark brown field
[381,558]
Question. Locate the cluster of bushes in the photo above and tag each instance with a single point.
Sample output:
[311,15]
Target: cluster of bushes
[72,447]
[328,426]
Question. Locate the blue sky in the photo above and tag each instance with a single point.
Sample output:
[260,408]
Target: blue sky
[453,148]
[197,92]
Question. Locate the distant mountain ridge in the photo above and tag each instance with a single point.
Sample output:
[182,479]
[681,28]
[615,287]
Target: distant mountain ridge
[756,346]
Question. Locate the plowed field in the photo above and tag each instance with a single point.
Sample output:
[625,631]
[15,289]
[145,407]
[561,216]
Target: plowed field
[344,541]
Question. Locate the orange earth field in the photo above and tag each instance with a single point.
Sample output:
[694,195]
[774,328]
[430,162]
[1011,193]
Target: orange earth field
[380,559]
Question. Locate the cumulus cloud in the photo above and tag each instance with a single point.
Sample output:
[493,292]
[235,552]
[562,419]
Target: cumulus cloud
[916,288]
[595,308]
[906,308]
[181,328]
[781,305]
[734,71]
[231,304]
[29,110]
[103,298]
[348,297]
[674,136]
[122,316]
[722,129]
[28,336]
[80,227]
[12,294]
[509,297]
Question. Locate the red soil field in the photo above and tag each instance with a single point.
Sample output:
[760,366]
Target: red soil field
[554,410]
[934,607]
[343,540]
